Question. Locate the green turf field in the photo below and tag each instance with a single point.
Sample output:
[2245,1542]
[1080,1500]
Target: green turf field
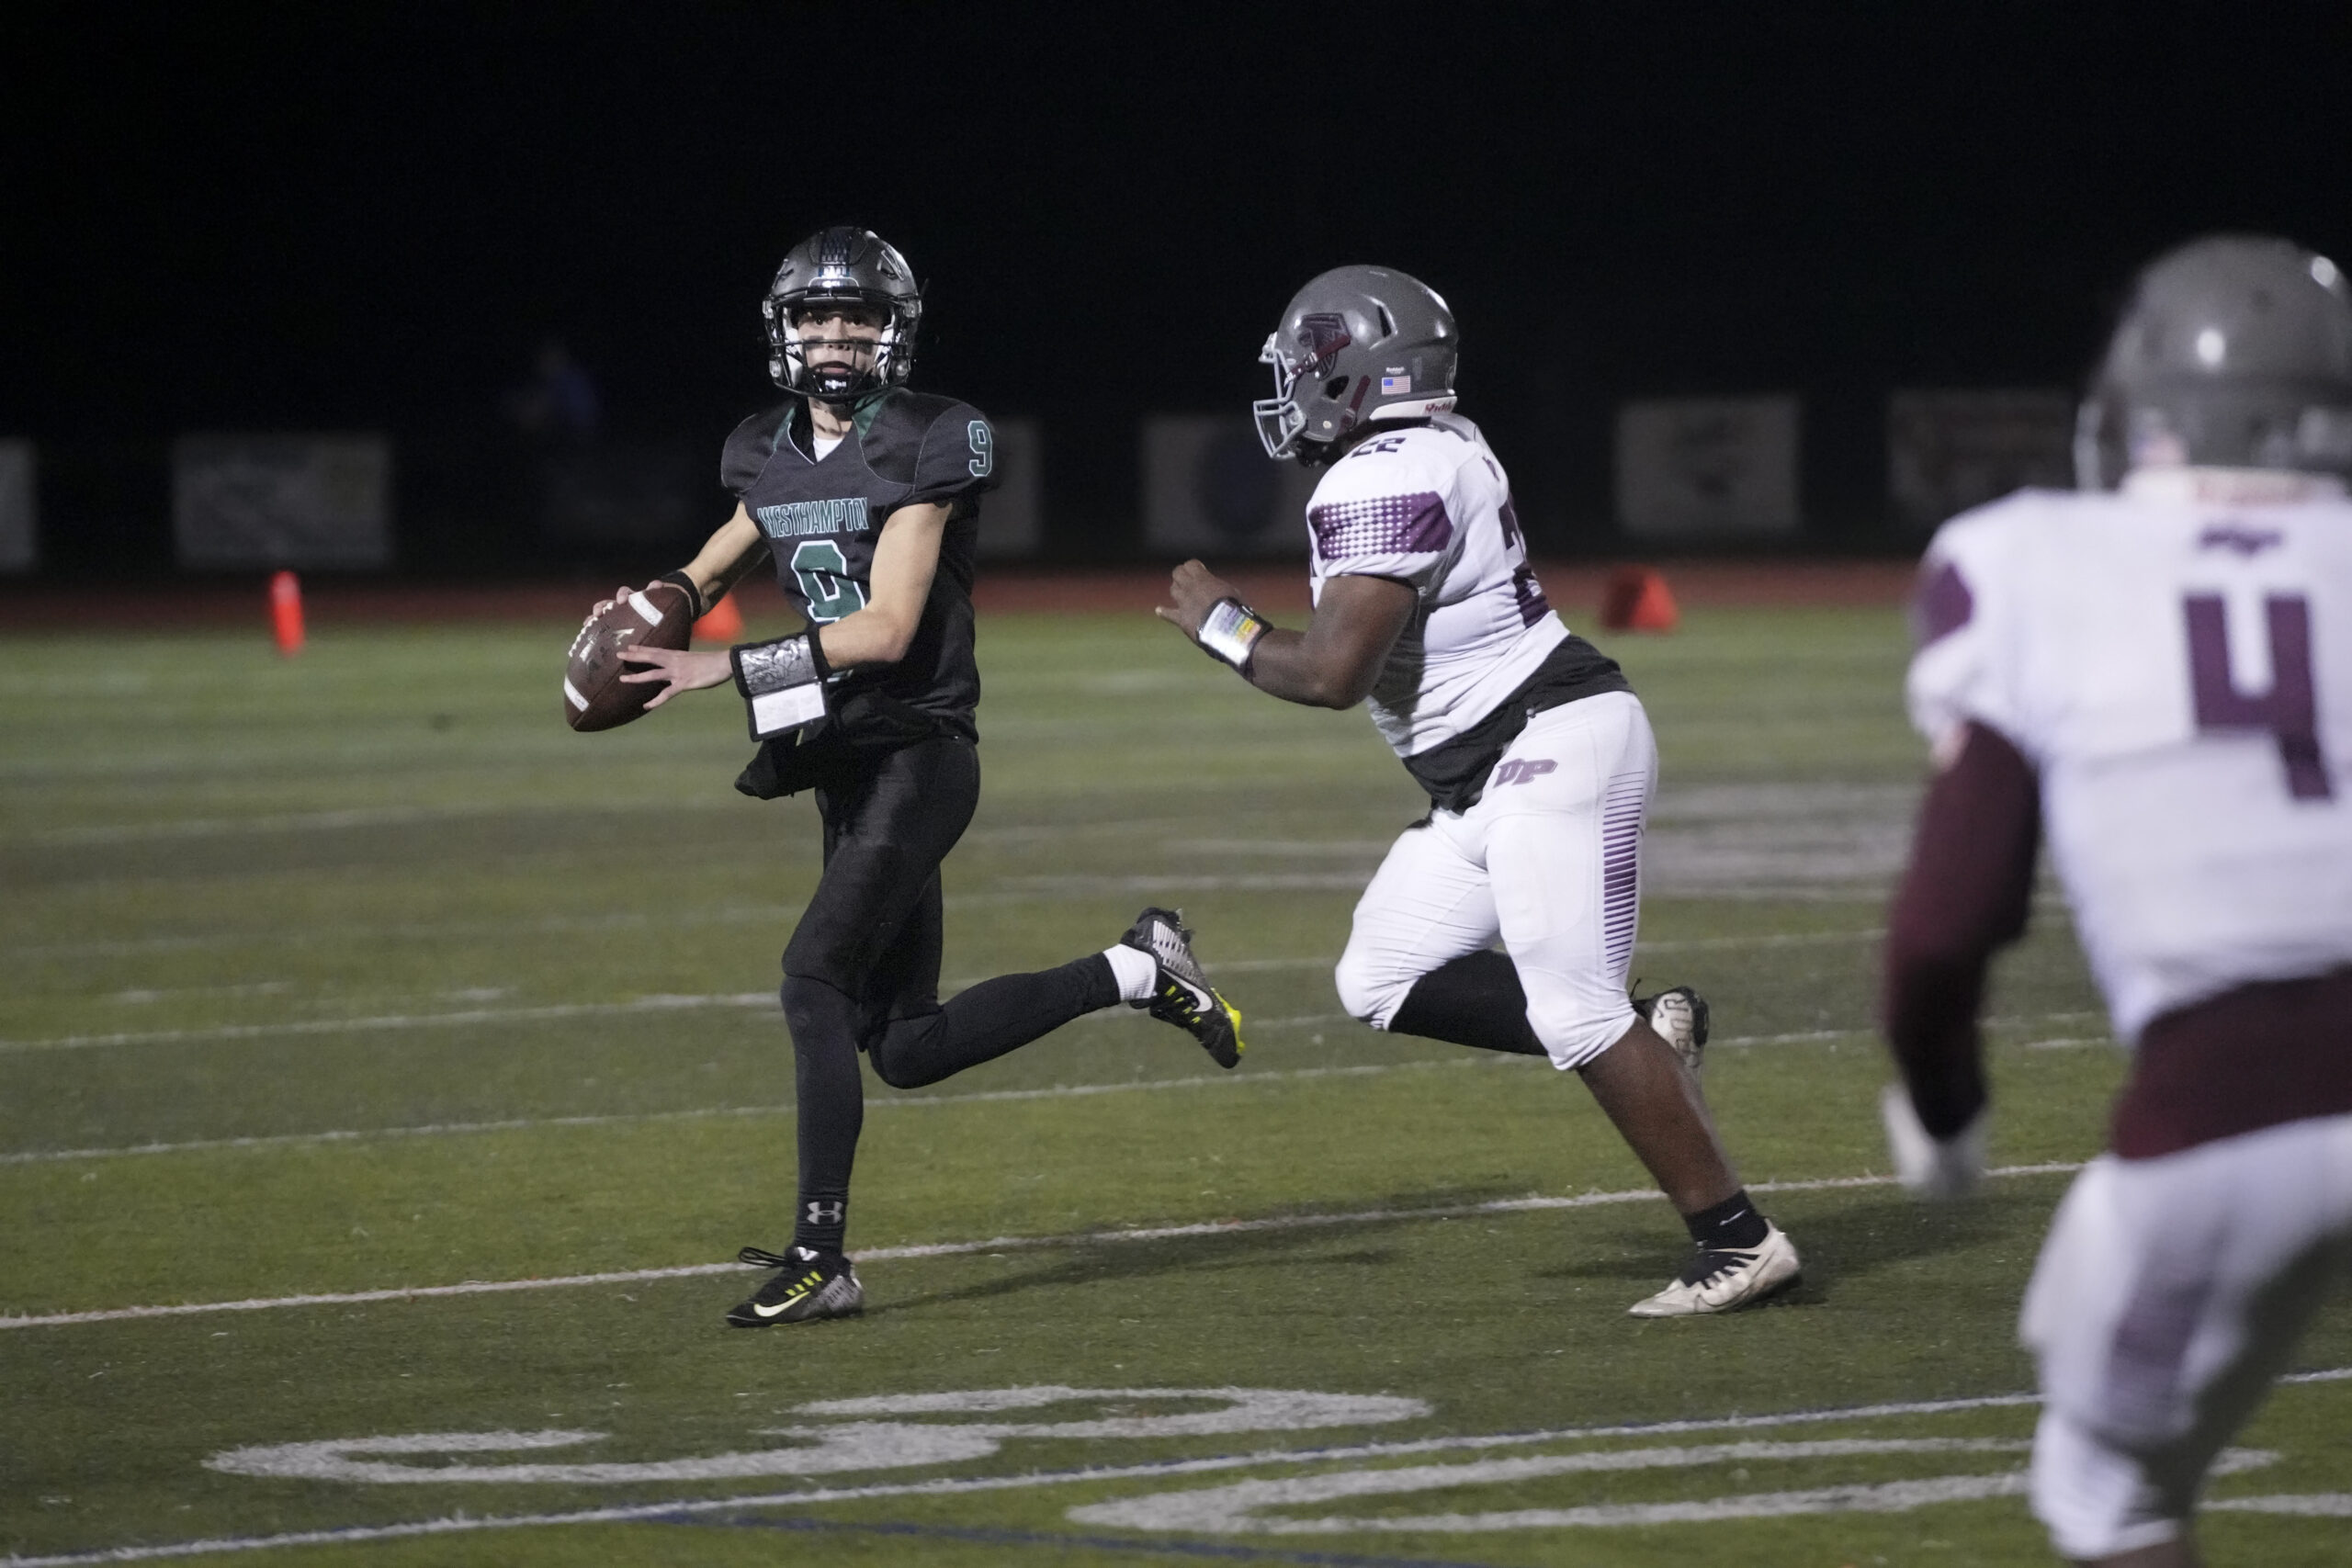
[338,982]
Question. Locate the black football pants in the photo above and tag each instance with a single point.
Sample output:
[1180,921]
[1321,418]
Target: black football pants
[861,972]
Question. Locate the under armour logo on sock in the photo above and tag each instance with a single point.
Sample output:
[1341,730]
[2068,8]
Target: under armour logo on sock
[827,1213]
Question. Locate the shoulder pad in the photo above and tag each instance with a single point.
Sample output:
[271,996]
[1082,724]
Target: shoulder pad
[940,448]
[751,444]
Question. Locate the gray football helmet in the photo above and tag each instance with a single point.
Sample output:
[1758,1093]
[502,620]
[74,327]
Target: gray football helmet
[843,266]
[1356,345]
[2234,351]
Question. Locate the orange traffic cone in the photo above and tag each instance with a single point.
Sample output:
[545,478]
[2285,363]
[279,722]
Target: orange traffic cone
[286,612]
[1638,600]
[723,623]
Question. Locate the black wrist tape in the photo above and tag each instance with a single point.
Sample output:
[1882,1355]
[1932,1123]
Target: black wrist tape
[694,606]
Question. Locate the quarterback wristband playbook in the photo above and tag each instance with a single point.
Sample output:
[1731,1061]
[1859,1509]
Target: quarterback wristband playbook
[1230,630]
[783,683]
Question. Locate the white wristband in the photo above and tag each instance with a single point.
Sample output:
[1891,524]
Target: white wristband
[782,682]
[1229,631]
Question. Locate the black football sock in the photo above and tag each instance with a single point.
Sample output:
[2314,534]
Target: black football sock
[1732,1223]
[1474,1000]
[988,1020]
[831,1109]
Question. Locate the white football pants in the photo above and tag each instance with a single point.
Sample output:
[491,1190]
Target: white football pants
[2169,1294]
[1549,862]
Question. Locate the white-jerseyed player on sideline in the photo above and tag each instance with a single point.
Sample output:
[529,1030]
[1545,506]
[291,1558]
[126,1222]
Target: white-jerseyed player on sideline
[2160,679]
[1535,754]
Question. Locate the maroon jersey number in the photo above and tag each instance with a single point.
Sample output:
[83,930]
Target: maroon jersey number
[2289,710]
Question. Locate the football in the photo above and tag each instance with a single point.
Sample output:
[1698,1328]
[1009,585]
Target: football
[594,696]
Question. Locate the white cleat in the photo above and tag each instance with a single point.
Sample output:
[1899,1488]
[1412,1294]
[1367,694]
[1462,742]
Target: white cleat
[1728,1279]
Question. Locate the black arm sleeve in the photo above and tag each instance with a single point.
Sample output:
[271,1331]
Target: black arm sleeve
[1968,892]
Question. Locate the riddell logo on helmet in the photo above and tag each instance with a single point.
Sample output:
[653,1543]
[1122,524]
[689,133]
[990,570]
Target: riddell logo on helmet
[1322,335]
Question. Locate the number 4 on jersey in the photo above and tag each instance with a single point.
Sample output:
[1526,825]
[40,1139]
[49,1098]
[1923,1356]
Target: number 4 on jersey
[2287,710]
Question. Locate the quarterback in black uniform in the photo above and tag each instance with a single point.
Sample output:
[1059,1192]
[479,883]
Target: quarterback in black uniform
[868,496]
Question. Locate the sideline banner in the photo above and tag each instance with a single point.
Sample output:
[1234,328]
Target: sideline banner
[1013,516]
[1946,451]
[1209,490]
[1707,467]
[19,520]
[241,501]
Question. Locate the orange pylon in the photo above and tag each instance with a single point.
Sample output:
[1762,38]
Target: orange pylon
[723,623]
[286,612]
[1638,600]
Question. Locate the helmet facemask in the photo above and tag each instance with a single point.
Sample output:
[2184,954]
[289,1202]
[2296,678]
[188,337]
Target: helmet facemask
[831,380]
[842,268]
[1279,419]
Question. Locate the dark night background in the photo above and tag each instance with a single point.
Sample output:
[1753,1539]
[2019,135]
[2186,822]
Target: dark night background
[359,216]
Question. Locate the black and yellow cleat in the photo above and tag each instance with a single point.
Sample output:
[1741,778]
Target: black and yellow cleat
[807,1286]
[1181,994]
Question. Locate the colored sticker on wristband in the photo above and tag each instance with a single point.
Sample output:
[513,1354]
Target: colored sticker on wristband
[1230,630]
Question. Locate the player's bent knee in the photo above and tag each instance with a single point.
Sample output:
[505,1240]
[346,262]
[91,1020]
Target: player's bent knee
[896,1067]
[1576,1030]
[1369,991]
[830,957]
[905,1052]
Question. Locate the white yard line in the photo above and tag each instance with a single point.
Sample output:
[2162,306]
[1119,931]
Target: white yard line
[702,1113]
[467,1018]
[751,1001]
[993,1243]
[393,1021]
[1058,1092]
[464,1523]
[730,915]
[415,930]
[283,822]
[1786,938]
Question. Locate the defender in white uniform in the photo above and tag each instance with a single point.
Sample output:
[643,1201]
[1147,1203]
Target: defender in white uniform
[1535,754]
[2160,679]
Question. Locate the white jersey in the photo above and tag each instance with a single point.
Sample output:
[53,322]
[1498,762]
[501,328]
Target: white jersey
[1428,507]
[2176,662]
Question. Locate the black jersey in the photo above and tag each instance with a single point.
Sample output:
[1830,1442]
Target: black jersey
[821,519]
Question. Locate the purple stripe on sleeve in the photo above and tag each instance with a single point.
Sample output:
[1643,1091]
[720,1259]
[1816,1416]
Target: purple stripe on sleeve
[1621,870]
[1380,525]
[1941,606]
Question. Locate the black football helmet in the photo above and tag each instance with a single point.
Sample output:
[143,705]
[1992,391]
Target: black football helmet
[843,266]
